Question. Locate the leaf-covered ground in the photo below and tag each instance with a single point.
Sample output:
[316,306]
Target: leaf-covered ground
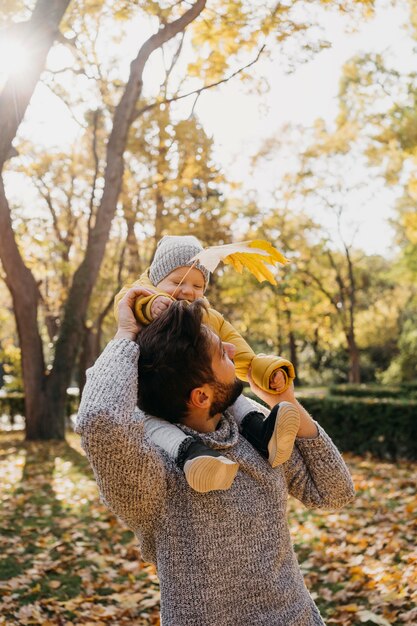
[64,560]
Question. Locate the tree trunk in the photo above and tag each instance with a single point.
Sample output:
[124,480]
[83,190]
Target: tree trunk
[46,397]
[91,345]
[38,34]
[133,263]
[86,275]
[25,295]
[292,344]
[354,359]
[88,355]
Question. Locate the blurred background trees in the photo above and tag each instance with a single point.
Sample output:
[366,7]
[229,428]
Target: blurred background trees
[77,222]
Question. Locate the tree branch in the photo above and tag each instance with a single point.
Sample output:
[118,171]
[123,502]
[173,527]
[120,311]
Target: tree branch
[38,35]
[44,191]
[201,89]
[96,167]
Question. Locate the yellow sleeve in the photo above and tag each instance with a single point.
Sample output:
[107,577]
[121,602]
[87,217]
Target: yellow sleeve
[263,366]
[226,332]
[142,305]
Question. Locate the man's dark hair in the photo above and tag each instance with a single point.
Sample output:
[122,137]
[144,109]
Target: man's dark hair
[175,357]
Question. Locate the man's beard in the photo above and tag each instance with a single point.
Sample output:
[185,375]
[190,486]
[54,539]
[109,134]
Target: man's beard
[225,395]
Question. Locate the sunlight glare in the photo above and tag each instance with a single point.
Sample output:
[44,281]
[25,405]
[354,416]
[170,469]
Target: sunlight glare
[14,59]
[59,58]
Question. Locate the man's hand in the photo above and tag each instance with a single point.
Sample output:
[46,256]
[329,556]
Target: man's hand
[159,305]
[128,326]
[308,428]
[272,399]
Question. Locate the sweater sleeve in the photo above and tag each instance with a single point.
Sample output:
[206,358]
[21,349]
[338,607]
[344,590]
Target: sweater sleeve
[317,475]
[130,473]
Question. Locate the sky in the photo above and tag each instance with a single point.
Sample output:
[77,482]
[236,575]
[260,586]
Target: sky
[300,98]
[239,122]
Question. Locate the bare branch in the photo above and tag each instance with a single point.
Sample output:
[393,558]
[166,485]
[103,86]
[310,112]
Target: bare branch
[96,167]
[322,288]
[174,61]
[77,121]
[148,107]
[194,105]
[45,193]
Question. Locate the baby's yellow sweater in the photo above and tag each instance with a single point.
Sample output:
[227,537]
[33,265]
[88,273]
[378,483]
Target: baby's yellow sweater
[262,365]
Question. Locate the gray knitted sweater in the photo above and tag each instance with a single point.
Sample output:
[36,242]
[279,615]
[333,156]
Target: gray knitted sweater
[224,558]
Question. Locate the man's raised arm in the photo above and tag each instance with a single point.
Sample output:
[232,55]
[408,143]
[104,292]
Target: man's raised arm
[316,473]
[129,473]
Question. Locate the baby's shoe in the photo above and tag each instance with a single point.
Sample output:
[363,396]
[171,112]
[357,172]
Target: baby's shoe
[274,435]
[208,470]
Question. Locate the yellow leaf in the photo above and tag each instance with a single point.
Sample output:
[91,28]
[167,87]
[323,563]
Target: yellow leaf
[350,608]
[269,248]
[253,263]
[369,616]
[253,255]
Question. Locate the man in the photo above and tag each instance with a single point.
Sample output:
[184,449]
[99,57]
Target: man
[223,558]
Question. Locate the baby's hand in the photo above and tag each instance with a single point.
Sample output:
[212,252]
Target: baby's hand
[278,381]
[159,305]
[272,399]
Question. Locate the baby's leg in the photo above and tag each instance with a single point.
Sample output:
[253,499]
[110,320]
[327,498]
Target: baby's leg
[204,469]
[167,436]
[272,435]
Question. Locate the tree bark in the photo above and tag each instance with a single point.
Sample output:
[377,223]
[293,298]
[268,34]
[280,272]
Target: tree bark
[86,275]
[46,396]
[25,296]
[88,355]
[292,344]
[134,262]
[354,375]
[354,354]
[38,35]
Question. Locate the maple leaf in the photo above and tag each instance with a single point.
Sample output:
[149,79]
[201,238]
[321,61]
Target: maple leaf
[253,255]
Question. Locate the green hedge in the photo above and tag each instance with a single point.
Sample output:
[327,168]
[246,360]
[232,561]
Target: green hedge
[406,390]
[384,427]
[387,428]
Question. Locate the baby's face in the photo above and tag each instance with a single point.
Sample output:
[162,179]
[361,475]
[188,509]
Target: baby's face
[190,289]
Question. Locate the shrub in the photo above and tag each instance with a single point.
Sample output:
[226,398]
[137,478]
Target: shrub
[369,391]
[385,427]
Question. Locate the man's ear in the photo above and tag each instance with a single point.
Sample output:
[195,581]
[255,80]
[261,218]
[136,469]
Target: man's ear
[200,397]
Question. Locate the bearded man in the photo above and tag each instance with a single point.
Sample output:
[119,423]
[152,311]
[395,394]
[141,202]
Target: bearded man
[224,558]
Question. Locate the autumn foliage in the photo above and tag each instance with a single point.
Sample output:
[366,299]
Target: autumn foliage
[66,560]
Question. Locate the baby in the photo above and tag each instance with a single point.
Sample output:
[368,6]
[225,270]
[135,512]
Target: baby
[170,278]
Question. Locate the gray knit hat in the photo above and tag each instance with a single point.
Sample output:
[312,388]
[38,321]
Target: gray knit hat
[172,252]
